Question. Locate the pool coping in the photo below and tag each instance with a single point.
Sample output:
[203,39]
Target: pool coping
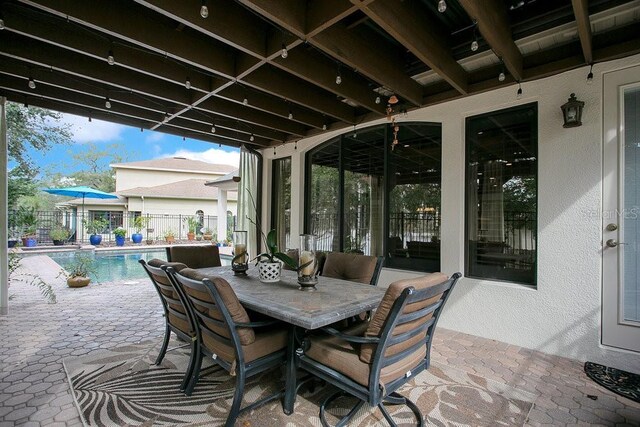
[224,250]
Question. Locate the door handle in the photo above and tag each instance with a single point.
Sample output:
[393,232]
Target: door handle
[612,243]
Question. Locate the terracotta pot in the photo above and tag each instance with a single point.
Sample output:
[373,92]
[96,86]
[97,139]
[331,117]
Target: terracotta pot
[78,282]
[207,236]
[170,239]
[191,236]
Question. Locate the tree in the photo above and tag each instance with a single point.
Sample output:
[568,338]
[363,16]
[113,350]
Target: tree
[95,162]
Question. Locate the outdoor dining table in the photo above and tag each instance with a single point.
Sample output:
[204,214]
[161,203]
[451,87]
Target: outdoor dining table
[332,301]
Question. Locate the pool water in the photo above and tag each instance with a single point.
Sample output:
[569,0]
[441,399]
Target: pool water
[115,266]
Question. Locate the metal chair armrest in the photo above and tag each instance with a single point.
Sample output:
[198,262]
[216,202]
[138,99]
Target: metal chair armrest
[258,324]
[350,338]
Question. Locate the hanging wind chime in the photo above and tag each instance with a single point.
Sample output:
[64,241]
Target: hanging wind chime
[393,100]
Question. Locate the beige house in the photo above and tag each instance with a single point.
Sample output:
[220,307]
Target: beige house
[166,190]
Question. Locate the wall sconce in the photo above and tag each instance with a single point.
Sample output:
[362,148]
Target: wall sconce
[572,112]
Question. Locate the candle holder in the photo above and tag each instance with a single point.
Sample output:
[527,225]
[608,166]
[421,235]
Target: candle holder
[308,264]
[240,261]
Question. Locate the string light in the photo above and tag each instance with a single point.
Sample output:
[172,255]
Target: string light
[274,150]
[474,43]
[324,126]
[204,10]
[252,138]
[290,115]
[295,146]
[245,100]
[519,92]
[338,77]
[213,128]
[32,83]
[1,22]
[107,102]
[355,132]
[590,75]
[187,83]
[378,100]
[502,75]
[184,139]
[442,6]
[284,52]
[110,58]
[89,119]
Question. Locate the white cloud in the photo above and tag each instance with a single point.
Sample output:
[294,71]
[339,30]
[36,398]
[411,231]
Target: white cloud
[154,136]
[212,155]
[94,131]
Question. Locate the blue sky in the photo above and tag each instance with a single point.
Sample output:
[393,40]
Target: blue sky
[138,145]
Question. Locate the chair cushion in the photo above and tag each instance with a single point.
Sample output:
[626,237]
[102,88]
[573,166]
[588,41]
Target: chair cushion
[382,312]
[265,343]
[353,267]
[342,356]
[230,300]
[196,256]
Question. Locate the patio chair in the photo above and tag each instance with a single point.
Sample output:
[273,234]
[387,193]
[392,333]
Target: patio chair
[175,313]
[195,256]
[226,335]
[372,360]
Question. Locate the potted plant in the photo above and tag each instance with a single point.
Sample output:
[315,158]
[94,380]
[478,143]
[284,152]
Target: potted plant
[139,223]
[199,237]
[269,265]
[150,240]
[207,234]
[95,227]
[120,233]
[78,271]
[192,224]
[27,221]
[14,237]
[59,235]
[170,236]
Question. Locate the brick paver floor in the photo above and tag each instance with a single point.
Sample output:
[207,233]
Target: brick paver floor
[37,336]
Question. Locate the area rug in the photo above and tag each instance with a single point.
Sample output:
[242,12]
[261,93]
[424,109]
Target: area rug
[122,387]
[620,382]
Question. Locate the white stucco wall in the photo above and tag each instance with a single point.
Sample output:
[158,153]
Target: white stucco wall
[159,206]
[562,316]
[132,178]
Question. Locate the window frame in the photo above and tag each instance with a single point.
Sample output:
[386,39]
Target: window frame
[534,122]
[274,207]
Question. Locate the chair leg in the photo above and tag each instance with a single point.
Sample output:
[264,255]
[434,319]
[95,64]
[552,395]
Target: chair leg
[165,345]
[344,420]
[192,362]
[397,399]
[195,375]
[237,399]
[387,416]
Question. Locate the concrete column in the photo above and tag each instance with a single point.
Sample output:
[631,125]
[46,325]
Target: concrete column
[222,214]
[4,212]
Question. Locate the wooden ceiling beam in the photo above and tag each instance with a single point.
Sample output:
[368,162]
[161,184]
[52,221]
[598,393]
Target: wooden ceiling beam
[364,54]
[298,91]
[322,14]
[288,14]
[409,24]
[493,24]
[221,122]
[581,12]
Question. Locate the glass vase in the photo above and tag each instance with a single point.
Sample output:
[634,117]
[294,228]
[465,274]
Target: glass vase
[308,264]
[240,262]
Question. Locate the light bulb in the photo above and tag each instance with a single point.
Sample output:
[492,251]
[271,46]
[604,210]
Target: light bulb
[107,103]
[89,119]
[590,75]
[284,52]
[338,79]
[519,93]
[442,6]
[290,115]
[110,59]
[187,83]
[501,76]
[474,45]
[245,101]
[204,11]
[32,84]
[213,128]
[377,100]
[1,24]
[324,126]
[251,138]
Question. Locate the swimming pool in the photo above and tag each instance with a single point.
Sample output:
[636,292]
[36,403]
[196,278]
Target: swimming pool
[114,266]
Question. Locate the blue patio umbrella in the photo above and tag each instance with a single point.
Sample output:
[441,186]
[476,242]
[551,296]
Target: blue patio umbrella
[81,191]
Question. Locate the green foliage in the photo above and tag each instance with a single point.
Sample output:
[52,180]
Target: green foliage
[94,166]
[14,273]
[273,253]
[96,225]
[59,233]
[21,184]
[140,222]
[120,232]
[81,266]
[192,223]
[169,234]
[26,220]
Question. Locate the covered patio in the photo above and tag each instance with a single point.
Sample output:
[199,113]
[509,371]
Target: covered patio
[436,134]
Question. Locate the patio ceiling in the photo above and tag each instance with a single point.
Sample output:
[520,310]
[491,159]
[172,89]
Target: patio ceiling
[377,47]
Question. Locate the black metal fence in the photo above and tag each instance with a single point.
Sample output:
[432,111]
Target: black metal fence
[156,228]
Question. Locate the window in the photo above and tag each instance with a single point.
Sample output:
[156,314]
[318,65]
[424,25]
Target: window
[281,201]
[501,195]
[365,198]
[113,217]
[200,218]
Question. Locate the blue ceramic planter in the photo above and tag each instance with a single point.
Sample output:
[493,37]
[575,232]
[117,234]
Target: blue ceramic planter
[119,240]
[95,239]
[136,237]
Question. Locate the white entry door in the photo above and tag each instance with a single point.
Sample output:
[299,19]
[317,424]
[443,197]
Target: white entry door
[621,210]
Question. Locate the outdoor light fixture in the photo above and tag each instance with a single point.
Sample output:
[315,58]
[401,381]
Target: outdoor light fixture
[213,128]
[187,83]
[377,100]
[32,83]
[284,52]
[107,102]
[590,75]
[290,115]
[338,78]
[204,10]
[501,76]
[442,6]
[252,138]
[245,101]
[324,126]
[110,58]
[474,43]
[519,92]
[572,112]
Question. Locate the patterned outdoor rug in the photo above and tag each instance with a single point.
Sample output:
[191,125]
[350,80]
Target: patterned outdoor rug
[121,387]
[621,382]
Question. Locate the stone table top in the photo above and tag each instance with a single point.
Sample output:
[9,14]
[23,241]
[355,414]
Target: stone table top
[332,301]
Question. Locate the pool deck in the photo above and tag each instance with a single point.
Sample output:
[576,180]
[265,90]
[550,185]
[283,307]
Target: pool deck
[37,336]
[224,250]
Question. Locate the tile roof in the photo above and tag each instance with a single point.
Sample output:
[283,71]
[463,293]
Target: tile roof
[177,164]
[187,189]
